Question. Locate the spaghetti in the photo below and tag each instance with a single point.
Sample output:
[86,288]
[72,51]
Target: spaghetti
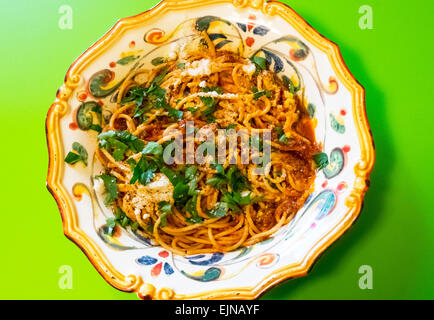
[193,209]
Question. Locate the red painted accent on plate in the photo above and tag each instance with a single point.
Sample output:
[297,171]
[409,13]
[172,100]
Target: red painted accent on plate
[346,149]
[250,26]
[156,270]
[132,44]
[343,112]
[342,186]
[252,17]
[163,254]
[250,41]
[73,126]
[82,96]
[112,64]
[325,183]
[100,103]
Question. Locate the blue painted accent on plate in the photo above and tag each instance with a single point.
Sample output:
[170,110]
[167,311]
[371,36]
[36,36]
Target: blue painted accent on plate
[261,30]
[216,257]
[168,269]
[147,260]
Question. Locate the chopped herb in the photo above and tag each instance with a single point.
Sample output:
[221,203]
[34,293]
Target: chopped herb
[153,148]
[190,172]
[117,143]
[150,161]
[96,127]
[219,211]
[209,102]
[190,207]
[261,63]
[258,94]
[79,154]
[135,94]
[159,79]
[132,163]
[180,193]
[153,97]
[180,65]
[233,178]
[185,193]
[235,200]
[217,89]
[165,209]
[281,135]
[111,188]
[173,177]
[321,160]
[72,158]
[175,114]
[287,82]
[122,220]
[143,172]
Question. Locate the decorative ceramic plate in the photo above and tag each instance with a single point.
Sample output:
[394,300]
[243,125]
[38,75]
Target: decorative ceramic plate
[292,48]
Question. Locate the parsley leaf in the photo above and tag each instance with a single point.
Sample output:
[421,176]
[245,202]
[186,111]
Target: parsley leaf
[258,94]
[321,160]
[233,178]
[111,187]
[135,94]
[165,209]
[260,62]
[185,193]
[190,207]
[159,79]
[79,154]
[173,177]
[122,220]
[190,172]
[117,143]
[143,172]
[287,82]
[281,134]
[210,105]
[150,161]
[175,114]
[72,158]
[153,148]
[219,211]
[235,200]
[217,89]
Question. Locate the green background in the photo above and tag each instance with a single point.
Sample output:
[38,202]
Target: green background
[394,233]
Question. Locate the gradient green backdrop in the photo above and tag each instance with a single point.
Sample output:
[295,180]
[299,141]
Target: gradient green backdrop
[395,232]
